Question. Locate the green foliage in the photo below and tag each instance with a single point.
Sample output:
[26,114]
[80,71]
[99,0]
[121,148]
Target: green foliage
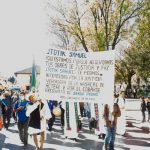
[141,93]
[137,57]
[139,53]
[98,24]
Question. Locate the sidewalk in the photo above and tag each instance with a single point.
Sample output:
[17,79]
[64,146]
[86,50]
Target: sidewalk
[134,119]
[137,135]
[134,115]
[135,139]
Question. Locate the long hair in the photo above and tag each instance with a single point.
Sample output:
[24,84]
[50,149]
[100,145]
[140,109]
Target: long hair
[116,109]
[106,111]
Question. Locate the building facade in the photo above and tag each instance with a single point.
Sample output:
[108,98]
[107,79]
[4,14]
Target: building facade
[23,78]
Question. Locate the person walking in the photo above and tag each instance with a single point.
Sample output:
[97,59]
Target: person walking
[110,119]
[148,108]
[143,108]
[6,109]
[20,108]
[39,113]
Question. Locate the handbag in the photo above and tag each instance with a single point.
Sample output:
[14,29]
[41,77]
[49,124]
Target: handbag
[57,111]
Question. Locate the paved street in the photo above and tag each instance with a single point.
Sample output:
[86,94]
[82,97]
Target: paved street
[137,137]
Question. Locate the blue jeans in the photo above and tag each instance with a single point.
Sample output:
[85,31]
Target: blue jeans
[110,137]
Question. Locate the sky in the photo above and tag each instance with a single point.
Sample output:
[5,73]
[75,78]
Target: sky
[23,34]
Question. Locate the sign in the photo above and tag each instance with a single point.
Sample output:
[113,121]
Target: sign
[78,76]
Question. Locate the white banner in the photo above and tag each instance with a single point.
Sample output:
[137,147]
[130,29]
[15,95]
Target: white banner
[78,76]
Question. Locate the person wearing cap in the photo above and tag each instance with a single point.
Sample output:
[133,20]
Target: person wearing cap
[38,112]
[20,108]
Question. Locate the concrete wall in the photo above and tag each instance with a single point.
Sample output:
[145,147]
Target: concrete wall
[23,80]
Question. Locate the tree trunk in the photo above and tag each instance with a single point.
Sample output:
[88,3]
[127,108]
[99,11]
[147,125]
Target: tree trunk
[128,91]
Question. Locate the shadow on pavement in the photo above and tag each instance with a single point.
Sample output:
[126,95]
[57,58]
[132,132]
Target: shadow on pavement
[81,143]
[144,129]
[129,119]
[130,140]
[2,140]
[17,147]
[128,136]
[122,147]
[136,131]
[13,131]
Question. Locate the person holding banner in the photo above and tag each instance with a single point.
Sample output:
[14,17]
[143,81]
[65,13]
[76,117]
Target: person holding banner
[39,112]
[110,119]
[121,129]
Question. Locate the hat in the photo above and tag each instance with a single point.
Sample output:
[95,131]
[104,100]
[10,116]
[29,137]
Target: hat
[6,92]
[31,95]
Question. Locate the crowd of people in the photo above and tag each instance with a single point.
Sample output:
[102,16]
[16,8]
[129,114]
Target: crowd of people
[30,112]
[33,115]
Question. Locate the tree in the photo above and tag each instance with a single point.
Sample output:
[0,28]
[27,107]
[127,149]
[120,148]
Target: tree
[60,33]
[139,52]
[68,21]
[97,25]
[100,25]
[124,73]
[142,43]
[113,17]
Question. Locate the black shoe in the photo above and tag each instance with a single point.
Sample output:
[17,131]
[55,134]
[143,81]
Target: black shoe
[49,130]
[25,143]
